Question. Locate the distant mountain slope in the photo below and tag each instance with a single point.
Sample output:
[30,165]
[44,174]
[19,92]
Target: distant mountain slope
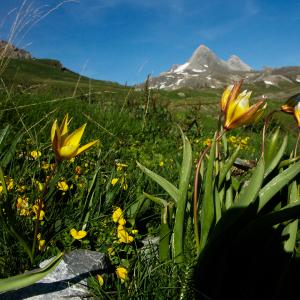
[205,69]
[19,69]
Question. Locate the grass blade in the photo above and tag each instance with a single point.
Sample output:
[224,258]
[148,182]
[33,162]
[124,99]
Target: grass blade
[186,169]
[164,183]
[277,183]
[28,278]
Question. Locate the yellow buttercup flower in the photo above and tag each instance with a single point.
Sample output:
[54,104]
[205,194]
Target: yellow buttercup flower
[114,181]
[42,244]
[118,216]
[134,231]
[35,154]
[78,235]
[123,235]
[67,146]
[121,166]
[62,186]
[100,280]
[237,110]
[161,163]
[122,273]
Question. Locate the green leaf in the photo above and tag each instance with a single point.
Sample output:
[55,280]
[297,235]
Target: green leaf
[164,183]
[271,147]
[227,166]
[250,192]
[292,228]
[28,278]
[161,202]
[276,184]
[185,174]
[11,152]
[275,157]
[3,134]
[207,213]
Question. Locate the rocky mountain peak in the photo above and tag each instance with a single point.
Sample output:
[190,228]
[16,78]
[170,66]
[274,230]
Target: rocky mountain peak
[9,50]
[202,56]
[235,63]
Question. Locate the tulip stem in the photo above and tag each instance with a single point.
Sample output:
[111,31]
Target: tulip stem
[196,182]
[40,206]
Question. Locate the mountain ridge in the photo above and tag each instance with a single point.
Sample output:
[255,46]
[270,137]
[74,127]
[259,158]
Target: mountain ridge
[205,69]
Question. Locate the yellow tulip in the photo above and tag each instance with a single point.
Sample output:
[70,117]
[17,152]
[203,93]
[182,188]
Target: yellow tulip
[297,114]
[122,273]
[66,146]
[78,235]
[292,106]
[237,110]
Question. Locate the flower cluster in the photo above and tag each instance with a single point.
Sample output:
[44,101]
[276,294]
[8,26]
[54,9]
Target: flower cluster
[236,141]
[118,218]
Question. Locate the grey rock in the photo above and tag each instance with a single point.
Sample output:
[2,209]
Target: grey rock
[9,50]
[68,280]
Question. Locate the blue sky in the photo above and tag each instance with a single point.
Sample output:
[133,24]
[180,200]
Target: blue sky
[124,40]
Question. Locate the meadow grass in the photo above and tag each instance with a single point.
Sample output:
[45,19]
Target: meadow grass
[128,132]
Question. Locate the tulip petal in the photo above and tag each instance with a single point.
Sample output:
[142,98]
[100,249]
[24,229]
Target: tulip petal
[225,97]
[75,137]
[86,147]
[64,125]
[53,129]
[297,114]
[247,117]
[67,152]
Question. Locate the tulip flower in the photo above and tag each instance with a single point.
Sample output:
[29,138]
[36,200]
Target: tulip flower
[236,107]
[67,146]
[297,114]
[292,106]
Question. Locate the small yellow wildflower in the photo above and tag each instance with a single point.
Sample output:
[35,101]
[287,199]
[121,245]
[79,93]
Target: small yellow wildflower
[9,183]
[45,165]
[1,189]
[42,244]
[134,231]
[21,188]
[207,142]
[78,170]
[118,216]
[114,181]
[35,154]
[22,206]
[122,273]
[62,186]
[111,251]
[39,185]
[161,163]
[100,280]
[35,209]
[121,166]
[123,235]
[78,235]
